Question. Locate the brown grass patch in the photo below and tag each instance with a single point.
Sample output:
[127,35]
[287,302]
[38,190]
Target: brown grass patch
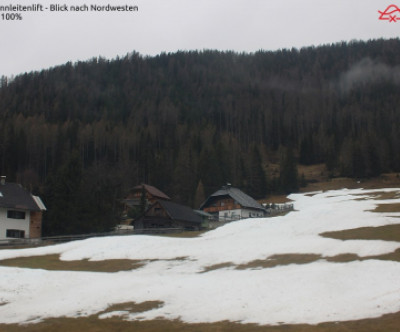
[53,262]
[385,233]
[393,256]
[186,234]
[133,307]
[282,259]
[343,258]
[270,262]
[387,208]
[217,267]
[379,195]
[331,184]
[277,199]
[386,195]
[314,173]
[7,246]
[386,323]
[323,182]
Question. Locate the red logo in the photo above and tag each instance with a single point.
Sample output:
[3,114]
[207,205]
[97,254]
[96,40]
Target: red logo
[390,14]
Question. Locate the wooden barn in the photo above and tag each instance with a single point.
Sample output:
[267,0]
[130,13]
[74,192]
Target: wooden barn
[230,203]
[134,198]
[168,215]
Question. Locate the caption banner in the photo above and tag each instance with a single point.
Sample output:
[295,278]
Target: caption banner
[17,12]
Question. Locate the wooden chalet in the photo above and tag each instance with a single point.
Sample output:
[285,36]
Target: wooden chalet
[20,212]
[134,198]
[230,203]
[166,215]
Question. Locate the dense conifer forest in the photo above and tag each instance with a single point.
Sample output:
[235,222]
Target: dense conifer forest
[81,134]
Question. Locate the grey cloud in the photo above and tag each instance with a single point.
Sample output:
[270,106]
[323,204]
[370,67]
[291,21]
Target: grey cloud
[367,71]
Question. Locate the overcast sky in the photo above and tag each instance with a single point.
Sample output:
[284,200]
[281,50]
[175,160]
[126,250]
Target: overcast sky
[46,39]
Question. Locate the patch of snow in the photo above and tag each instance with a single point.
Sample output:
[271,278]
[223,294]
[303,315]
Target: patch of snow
[309,293]
[112,314]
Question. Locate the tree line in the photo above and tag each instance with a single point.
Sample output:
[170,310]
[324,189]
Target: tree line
[82,134]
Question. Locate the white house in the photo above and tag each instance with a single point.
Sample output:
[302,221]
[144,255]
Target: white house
[20,212]
[231,203]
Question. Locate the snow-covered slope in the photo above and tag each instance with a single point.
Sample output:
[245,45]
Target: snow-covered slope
[174,271]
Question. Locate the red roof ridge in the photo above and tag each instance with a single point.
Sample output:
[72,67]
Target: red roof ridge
[153,191]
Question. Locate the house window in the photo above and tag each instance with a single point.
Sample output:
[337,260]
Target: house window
[13,214]
[15,233]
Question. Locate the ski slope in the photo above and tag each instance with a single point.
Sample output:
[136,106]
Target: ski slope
[183,273]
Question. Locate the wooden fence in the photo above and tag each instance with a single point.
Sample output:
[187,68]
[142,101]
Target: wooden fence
[274,209]
[68,238]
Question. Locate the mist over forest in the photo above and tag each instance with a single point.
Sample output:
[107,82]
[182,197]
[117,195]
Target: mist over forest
[81,134]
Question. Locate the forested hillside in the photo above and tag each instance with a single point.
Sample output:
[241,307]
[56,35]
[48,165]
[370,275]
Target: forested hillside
[82,134]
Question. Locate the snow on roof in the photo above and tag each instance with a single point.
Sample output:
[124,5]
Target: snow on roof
[311,293]
[39,203]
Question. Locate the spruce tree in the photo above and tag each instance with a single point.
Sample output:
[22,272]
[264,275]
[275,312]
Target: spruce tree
[63,199]
[257,181]
[200,196]
[288,175]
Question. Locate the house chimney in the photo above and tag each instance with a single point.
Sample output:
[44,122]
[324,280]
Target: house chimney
[3,180]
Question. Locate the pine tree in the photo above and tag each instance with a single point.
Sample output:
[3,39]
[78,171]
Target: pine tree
[288,175]
[200,196]
[257,181]
[63,199]
[143,201]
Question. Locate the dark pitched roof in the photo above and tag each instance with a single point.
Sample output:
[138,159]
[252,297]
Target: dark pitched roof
[180,212]
[239,196]
[13,196]
[202,213]
[152,190]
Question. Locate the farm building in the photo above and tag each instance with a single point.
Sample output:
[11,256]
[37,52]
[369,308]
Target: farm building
[168,215]
[134,198]
[230,203]
[20,212]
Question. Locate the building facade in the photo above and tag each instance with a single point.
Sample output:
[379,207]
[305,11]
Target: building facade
[20,212]
[140,193]
[230,203]
[168,216]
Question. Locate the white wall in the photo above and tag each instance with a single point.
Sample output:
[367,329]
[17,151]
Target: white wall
[230,214]
[246,213]
[240,214]
[20,224]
